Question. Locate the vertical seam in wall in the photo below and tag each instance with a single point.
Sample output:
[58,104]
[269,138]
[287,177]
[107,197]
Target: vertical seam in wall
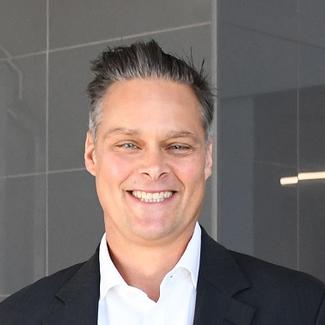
[298,133]
[47,140]
[214,79]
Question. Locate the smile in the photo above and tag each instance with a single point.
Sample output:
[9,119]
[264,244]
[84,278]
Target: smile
[150,197]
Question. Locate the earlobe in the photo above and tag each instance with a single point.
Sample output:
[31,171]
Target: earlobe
[89,155]
[208,161]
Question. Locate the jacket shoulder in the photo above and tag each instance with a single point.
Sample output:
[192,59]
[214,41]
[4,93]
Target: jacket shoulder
[259,271]
[279,287]
[35,299]
[277,295]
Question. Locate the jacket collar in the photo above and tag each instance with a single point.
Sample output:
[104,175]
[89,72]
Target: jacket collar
[220,279]
[77,301]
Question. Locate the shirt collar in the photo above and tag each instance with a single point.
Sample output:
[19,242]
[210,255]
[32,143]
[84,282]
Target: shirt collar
[110,277]
[190,260]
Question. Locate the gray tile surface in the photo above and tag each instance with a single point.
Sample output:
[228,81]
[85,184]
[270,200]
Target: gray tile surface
[2,54]
[257,216]
[69,75]
[311,107]
[261,127]
[271,123]
[275,216]
[257,146]
[236,128]
[75,219]
[22,116]
[312,225]
[236,204]
[253,63]
[311,141]
[312,127]
[275,131]
[312,22]
[257,127]
[311,65]
[74,22]
[277,17]
[68,106]
[22,232]
[22,26]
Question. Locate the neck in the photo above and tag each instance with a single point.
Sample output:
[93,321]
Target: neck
[144,267]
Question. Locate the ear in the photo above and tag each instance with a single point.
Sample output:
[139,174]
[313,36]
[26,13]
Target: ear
[89,155]
[208,160]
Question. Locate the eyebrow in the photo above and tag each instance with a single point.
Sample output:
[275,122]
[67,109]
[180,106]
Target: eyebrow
[120,130]
[180,134]
[132,132]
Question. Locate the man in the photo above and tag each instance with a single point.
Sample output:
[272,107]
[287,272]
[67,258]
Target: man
[149,148]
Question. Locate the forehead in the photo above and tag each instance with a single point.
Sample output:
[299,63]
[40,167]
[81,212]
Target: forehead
[155,103]
[150,89]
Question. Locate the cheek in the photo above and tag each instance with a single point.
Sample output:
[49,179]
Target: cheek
[115,169]
[112,172]
[191,171]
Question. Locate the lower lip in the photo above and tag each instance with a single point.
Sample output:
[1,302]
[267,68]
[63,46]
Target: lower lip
[152,203]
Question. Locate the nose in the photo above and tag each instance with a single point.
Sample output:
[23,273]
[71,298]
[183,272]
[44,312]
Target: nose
[153,165]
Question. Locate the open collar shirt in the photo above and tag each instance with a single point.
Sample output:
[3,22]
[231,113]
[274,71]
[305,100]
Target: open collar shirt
[121,304]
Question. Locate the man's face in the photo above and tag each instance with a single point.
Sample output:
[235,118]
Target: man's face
[150,160]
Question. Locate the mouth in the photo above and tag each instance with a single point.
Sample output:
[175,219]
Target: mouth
[152,197]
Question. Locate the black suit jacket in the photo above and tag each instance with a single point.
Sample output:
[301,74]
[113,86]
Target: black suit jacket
[233,289]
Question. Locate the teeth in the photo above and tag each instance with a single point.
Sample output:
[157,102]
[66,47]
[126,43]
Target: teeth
[152,197]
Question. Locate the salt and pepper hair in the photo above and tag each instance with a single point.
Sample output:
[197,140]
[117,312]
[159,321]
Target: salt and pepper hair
[145,60]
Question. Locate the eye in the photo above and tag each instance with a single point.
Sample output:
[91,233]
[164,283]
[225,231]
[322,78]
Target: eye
[179,148]
[129,146]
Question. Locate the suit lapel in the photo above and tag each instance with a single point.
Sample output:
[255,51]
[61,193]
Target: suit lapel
[219,280]
[77,301]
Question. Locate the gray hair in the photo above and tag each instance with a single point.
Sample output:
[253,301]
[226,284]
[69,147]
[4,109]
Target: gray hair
[146,60]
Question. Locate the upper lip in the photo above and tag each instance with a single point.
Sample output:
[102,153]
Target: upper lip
[152,191]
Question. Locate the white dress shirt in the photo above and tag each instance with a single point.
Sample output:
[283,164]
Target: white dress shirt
[121,304]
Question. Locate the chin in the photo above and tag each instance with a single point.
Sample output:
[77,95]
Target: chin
[152,231]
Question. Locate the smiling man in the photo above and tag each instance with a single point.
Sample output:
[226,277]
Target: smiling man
[149,149]
[151,158]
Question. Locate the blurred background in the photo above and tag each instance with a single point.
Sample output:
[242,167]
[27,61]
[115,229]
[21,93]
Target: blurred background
[266,60]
